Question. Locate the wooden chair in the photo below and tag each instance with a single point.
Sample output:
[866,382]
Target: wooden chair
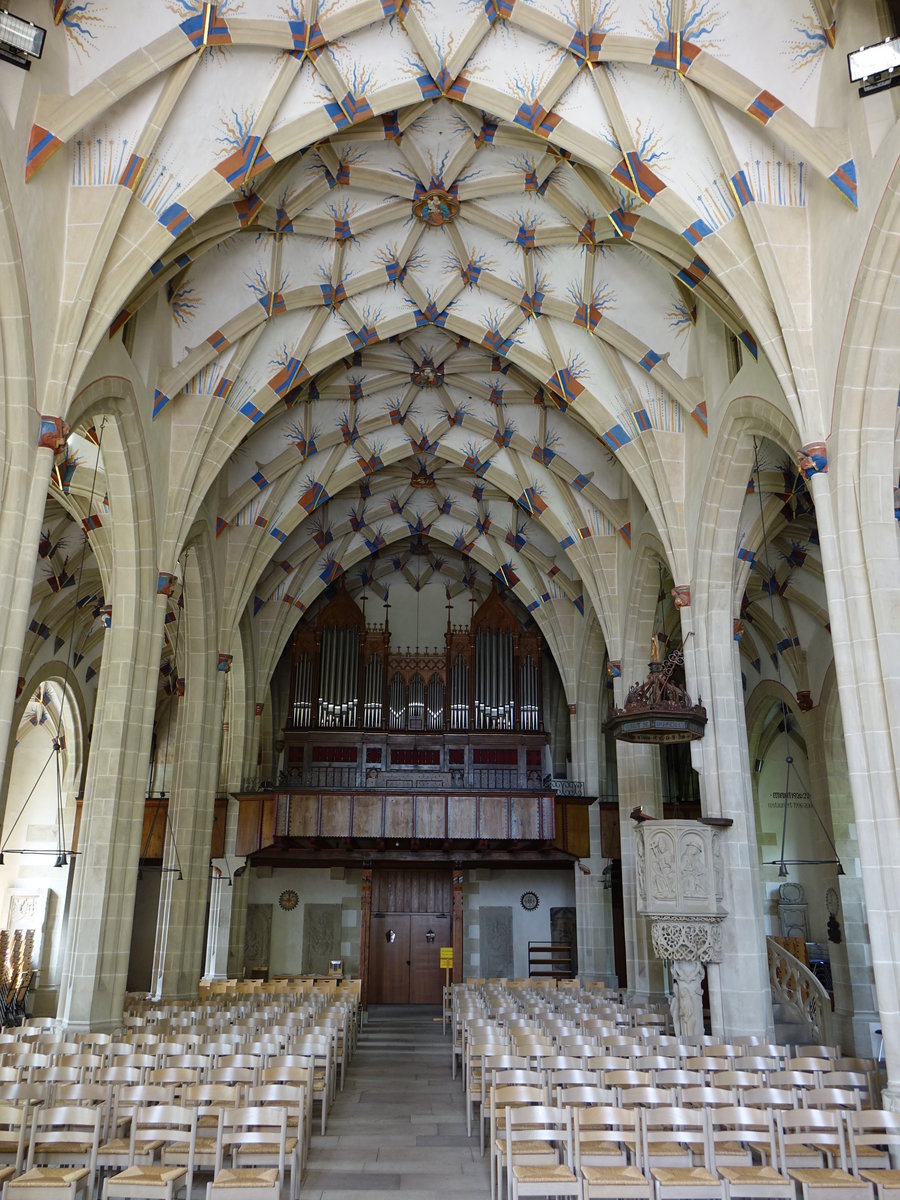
[315,1051]
[293,1098]
[153,1128]
[672,1135]
[62,1155]
[605,1138]
[252,1138]
[874,1140]
[15,1124]
[501,1098]
[818,1135]
[738,1137]
[294,1076]
[555,1174]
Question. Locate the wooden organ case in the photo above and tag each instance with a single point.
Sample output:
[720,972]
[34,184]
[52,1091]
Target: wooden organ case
[417,754]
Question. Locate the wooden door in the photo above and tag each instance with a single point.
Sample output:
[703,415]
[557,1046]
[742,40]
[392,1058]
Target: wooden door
[389,961]
[428,932]
[409,924]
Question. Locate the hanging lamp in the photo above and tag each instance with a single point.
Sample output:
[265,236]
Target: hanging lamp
[659,710]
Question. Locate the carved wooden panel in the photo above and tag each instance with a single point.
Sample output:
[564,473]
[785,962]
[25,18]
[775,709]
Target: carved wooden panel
[461,817]
[335,819]
[430,817]
[417,891]
[367,811]
[398,817]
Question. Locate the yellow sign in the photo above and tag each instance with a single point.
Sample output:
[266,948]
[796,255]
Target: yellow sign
[446,956]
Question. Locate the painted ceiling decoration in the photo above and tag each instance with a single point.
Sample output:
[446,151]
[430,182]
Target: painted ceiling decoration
[433,270]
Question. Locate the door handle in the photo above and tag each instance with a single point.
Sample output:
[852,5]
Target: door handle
[408,962]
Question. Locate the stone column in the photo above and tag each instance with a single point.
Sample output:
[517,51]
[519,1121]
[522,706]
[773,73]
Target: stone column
[186,878]
[851,914]
[810,721]
[640,783]
[25,471]
[739,993]
[862,582]
[222,900]
[102,905]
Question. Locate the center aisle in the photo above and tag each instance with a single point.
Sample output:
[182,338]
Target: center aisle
[400,1123]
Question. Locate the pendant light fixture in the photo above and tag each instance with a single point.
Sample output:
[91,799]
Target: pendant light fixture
[659,710]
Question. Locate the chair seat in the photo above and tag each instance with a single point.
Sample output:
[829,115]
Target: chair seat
[888,1176]
[591,1145]
[530,1148]
[144,1174]
[614,1175]
[828,1177]
[123,1146]
[696,1176]
[551,1173]
[59,1149]
[246,1177]
[51,1177]
[761,1174]
[266,1148]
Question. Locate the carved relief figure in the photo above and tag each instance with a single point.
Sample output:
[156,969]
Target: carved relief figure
[685,1004]
[663,872]
[639,841]
[693,868]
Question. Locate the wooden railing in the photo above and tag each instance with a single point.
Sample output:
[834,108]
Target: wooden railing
[800,993]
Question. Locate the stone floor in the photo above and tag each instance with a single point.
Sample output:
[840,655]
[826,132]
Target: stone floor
[400,1123]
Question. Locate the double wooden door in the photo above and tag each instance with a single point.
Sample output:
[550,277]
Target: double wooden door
[410,922]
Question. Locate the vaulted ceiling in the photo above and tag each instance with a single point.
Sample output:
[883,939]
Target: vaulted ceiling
[421,285]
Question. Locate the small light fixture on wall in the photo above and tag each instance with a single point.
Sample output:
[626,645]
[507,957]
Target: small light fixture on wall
[429,936]
[390,936]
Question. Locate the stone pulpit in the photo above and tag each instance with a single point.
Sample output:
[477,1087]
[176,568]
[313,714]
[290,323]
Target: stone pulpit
[680,885]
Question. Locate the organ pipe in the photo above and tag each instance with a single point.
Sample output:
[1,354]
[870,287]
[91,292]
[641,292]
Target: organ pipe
[488,678]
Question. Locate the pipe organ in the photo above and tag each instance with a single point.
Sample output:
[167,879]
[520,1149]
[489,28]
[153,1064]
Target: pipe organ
[364,715]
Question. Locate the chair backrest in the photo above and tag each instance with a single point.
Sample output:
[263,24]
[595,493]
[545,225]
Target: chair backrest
[811,1127]
[870,1128]
[850,1080]
[679,1078]
[73,1126]
[706,1097]
[817,1050]
[583,1097]
[792,1079]
[15,1121]
[257,1127]
[769,1097]
[541,1123]
[687,1126]
[626,1079]
[831,1097]
[606,1123]
[737,1079]
[645,1097]
[751,1128]
[214,1095]
[294,1097]
[568,1078]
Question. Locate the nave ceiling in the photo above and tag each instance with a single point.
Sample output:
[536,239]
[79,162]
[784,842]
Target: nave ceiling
[421,291]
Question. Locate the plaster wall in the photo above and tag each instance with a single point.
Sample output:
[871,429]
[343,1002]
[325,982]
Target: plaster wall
[313,885]
[494,889]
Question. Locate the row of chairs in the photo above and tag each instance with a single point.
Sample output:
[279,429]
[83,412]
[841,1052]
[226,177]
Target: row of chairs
[246,1151]
[610,1153]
